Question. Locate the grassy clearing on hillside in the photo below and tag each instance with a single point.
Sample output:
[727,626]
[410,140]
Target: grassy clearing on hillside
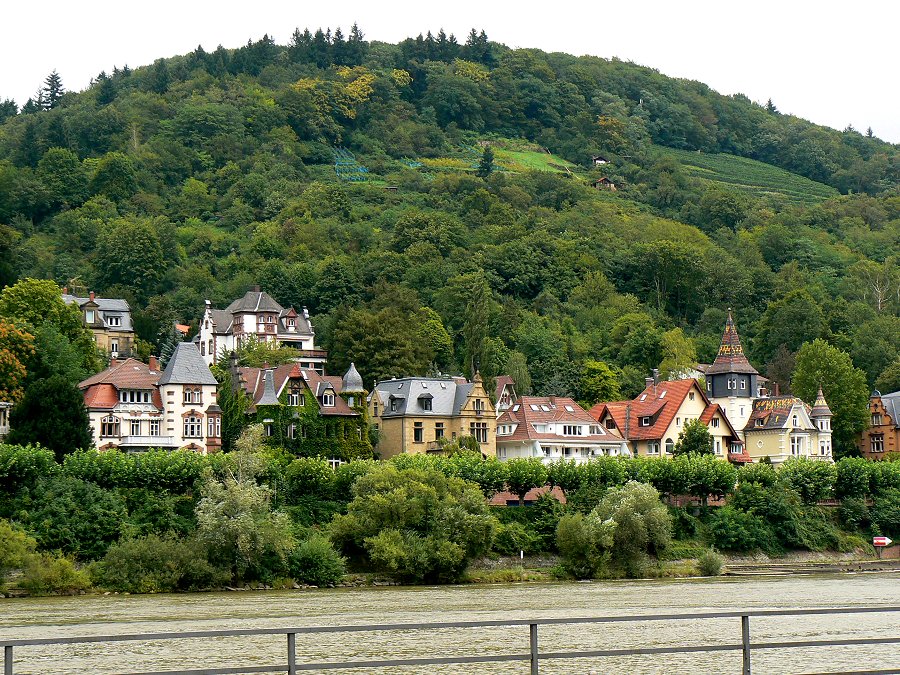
[748,175]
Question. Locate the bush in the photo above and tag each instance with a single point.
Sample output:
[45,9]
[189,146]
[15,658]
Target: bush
[15,547]
[308,477]
[811,479]
[45,574]
[23,465]
[853,512]
[759,473]
[155,564]
[710,563]
[316,562]
[583,553]
[730,529]
[684,525]
[886,513]
[514,537]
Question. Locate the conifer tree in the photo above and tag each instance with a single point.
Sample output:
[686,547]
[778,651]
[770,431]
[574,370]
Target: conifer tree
[53,90]
[486,166]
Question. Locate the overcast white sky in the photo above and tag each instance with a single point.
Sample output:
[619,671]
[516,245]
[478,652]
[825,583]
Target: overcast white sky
[835,63]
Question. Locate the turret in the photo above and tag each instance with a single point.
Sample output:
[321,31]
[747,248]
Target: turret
[352,389]
[821,414]
[731,381]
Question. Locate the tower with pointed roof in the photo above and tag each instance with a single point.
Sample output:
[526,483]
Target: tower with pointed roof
[731,381]
[353,391]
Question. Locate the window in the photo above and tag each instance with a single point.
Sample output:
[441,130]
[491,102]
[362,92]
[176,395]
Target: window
[677,421]
[425,402]
[670,446]
[328,399]
[154,427]
[418,433]
[438,430]
[351,401]
[691,396]
[291,430]
[760,422]
[743,384]
[209,349]
[114,321]
[135,427]
[796,445]
[268,427]
[109,427]
[645,421]
[214,427]
[572,430]
[193,427]
[718,446]
[479,431]
[653,448]
[114,346]
[294,396]
[202,349]
[794,422]
[876,419]
[375,407]
[610,423]
[732,383]
[394,404]
[479,407]
[876,443]
[89,316]
[715,422]
[291,323]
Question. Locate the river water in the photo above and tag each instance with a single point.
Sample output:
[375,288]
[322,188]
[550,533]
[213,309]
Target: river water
[118,614]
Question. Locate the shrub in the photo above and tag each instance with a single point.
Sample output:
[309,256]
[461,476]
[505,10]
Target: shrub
[308,477]
[811,479]
[684,525]
[886,513]
[45,574]
[759,473]
[15,547]
[155,564]
[23,465]
[710,563]
[582,551]
[316,562]
[514,537]
[730,529]
[853,512]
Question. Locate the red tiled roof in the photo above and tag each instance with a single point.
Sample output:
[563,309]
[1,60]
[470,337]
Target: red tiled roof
[501,381]
[731,358]
[741,457]
[101,396]
[549,409]
[129,374]
[660,402]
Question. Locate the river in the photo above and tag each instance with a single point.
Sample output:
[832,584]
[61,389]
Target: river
[114,614]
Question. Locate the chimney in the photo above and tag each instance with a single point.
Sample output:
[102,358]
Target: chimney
[305,313]
[255,289]
[92,296]
[777,389]
[154,364]
[656,376]
[265,365]
[113,362]
[648,382]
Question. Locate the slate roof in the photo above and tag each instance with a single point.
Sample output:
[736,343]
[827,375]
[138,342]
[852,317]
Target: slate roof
[773,411]
[448,396]
[660,402]
[891,403]
[115,306]
[253,382]
[352,380]
[731,358]
[186,366]
[531,410]
[254,302]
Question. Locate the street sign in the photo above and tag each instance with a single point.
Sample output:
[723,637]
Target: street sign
[882,541]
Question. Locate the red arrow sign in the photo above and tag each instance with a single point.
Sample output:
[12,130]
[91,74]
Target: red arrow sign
[882,541]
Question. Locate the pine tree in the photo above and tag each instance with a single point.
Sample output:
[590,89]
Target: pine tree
[486,166]
[53,90]
[8,108]
[870,133]
[770,108]
[169,339]
[106,89]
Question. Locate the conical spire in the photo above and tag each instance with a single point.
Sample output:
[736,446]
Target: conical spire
[820,409]
[731,358]
[353,381]
[269,396]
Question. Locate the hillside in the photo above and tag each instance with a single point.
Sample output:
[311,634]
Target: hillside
[341,176]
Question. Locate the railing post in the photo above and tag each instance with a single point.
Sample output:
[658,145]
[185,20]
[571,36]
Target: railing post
[534,648]
[745,643]
[7,660]
[292,653]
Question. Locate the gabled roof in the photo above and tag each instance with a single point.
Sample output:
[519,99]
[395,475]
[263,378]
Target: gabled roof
[253,382]
[660,402]
[731,358]
[772,413]
[254,301]
[543,410]
[127,374]
[891,403]
[115,306]
[186,366]
[501,382]
[448,396]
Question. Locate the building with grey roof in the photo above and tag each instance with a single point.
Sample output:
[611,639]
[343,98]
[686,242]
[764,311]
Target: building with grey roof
[258,316]
[109,319]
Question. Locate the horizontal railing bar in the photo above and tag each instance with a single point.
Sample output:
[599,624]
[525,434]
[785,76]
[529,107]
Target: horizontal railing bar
[826,643]
[332,665]
[216,671]
[891,671]
[641,650]
[447,624]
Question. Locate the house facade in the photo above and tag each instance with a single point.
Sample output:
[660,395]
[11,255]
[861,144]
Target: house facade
[109,320]
[652,422]
[134,406]
[504,394]
[258,316]
[420,414]
[883,433]
[553,428]
[784,427]
[305,412]
[731,381]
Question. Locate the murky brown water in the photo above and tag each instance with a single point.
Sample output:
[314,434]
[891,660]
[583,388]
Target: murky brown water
[103,615]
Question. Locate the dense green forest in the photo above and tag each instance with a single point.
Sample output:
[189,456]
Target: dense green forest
[430,202]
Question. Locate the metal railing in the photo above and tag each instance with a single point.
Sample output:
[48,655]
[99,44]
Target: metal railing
[534,656]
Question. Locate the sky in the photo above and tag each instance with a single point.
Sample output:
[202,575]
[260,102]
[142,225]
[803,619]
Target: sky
[834,63]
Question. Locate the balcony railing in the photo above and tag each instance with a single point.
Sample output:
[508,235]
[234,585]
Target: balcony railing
[149,442]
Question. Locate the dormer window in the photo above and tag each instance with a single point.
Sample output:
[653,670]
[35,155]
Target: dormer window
[328,399]
[294,396]
[794,422]
[89,316]
[113,320]
[645,421]
[760,422]
[425,401]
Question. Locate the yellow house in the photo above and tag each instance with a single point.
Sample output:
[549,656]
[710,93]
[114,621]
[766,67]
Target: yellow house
[415,414]
[109,320]
[784,427]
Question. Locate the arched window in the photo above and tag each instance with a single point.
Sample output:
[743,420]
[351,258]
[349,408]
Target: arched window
[110,427]
[670,446]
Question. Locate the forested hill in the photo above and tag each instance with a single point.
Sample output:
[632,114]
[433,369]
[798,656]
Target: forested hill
[356,179]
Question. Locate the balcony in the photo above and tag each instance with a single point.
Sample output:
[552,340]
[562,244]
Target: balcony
[148,442]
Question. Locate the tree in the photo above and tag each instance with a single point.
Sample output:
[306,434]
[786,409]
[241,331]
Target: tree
[15,548]
[486,165]
[417,525]
[114,177]
[889,380]
[524,474]
[844,386]
[517,368]
[51,414]
[694,438]
[64,177]
[16,351]
[876,345]
[53,90]
[794,319]
[130,253]
[679,354]
[598,383]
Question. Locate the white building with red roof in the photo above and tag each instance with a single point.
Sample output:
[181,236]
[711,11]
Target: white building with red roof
[136,406]
[554,428]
